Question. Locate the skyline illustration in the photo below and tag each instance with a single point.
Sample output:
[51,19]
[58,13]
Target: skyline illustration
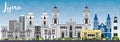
[67,9]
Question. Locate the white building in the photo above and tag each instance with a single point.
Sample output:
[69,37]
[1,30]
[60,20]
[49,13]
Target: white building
[70,29]
[49,31]
[115,29]
[30,26]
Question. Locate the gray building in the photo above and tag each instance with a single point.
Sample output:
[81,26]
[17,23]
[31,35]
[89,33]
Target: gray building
[22,21]
[12,24]
[37,32]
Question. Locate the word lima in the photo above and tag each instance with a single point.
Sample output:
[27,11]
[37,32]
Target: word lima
[8,8]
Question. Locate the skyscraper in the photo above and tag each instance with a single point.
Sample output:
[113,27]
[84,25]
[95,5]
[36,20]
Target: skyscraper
[22,21]
[12,25]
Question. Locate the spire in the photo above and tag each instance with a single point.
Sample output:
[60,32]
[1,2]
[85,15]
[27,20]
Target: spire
[95,18]
[108,18]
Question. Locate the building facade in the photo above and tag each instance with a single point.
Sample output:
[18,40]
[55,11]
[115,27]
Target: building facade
[91,34]
[105,28]
[115,29]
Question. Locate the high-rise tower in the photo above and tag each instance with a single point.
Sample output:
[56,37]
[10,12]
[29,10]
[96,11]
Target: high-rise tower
[22,21]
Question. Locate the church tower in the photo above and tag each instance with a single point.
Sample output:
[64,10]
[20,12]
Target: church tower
[44,25]
[108,26]
[44,20]
[55,15]
[95,23]
[108,23]
[30,25]
[115,29]
[86,15]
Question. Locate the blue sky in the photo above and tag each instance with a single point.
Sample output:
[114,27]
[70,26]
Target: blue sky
[68,9]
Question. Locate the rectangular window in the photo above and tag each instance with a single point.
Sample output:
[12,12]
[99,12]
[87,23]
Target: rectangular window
[86,21]
[115,34]
[78,27]
[44,22]
[53,31]
[63,27]
[78,35]
[45,31]
[62,35]
[115,27]
[70,27]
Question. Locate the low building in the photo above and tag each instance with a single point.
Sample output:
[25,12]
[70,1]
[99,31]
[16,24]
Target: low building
[90,34]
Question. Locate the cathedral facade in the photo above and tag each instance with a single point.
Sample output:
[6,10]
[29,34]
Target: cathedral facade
[70,29]
[105,28]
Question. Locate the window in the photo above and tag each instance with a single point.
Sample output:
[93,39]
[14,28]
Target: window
[37,28]
[45,37]
[115,34]
[62,35]
[37,37]
[45,31]
[30,23]
[86,21]
[44,17]
[115,27]
[115,19]
[63,27]
[30,17]
[91,34]
[78,35]
[70,34]
[44,22]
[96,34]
[55,21]
[53,36]
[70,27]
[78,27]
[53,31]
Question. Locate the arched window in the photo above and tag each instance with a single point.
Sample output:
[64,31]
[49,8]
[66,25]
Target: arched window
[30,17]
[30,22]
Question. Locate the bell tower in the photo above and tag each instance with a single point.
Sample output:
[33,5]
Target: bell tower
[44,19]
[55,15]
[86,15]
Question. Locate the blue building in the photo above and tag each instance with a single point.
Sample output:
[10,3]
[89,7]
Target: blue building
[105,28]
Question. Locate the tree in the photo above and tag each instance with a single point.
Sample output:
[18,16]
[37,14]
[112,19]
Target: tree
[103,38]
[41,38]
[107,38]
[115,38]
